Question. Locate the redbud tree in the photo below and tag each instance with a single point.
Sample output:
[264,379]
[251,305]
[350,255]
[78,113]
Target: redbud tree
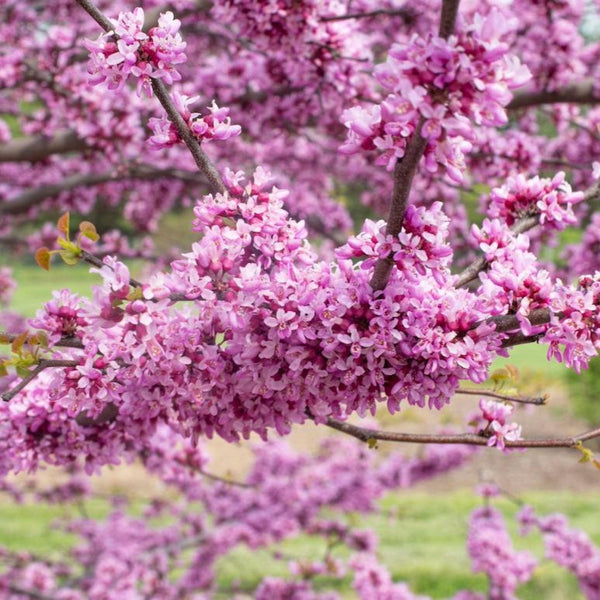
[278,122]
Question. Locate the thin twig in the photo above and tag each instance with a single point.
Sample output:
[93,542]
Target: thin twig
[96,262]
[471,272]
[368,435]
[405,169]
[43,364]
[405,13]
[201,159]
[538,401]
[159,89]
[581,92]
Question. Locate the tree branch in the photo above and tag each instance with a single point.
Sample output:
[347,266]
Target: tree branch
[581,92]
[368,435]
[538,401]
[159,89]
[407,15]
[404,173]
[43,364]
[32,197]
[200,158]
[448,18]
[39,147]
[67,342]
[406,168]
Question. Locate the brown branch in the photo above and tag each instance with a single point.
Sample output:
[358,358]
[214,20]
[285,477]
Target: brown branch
[43,364]
[405,169]
[200,158]
[34,594]
[505,323]
[448,18]
[32,197]
[40,147]
[404,173]
[204,164]
[538,401]
[518,339]
[67,342]
[368,435]
[96,15]
[107,415]
[407,15]
[581,92]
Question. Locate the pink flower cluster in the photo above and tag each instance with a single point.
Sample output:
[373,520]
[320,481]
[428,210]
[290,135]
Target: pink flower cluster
[573,335]
[214,126]
[492,421]
[438,87]
[490,548]
[551,199]
[570,548]
[127,50]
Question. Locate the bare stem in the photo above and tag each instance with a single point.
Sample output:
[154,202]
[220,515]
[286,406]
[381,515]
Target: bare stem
[448,19]
[538,401]
[368,435]
[43,364]
[576,93]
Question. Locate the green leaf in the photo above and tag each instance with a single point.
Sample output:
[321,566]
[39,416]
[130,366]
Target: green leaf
[23,371]
[586,454]
[89,231]
[372,443]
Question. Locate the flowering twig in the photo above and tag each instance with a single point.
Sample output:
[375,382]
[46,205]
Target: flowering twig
[405,169]
[66,342]
[539,400]
[369,435]
[200,157]
[43,364]
[206,167]
[471,272]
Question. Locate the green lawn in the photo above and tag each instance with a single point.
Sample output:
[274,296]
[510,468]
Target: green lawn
[423,544]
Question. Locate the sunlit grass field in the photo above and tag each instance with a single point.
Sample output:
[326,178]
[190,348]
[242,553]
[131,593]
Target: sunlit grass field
[423,544]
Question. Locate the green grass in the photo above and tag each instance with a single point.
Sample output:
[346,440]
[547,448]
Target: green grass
[35,285]
[423,544]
